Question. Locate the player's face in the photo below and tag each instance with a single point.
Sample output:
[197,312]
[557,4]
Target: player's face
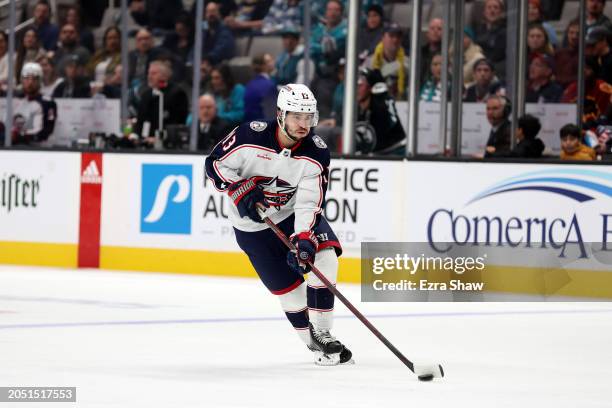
[298,124]
[30,85]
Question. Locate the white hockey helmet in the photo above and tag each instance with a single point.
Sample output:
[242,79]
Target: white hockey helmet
[31,69]
[297,98]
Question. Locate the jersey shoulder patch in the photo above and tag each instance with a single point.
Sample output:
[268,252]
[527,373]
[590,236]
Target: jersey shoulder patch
[318,141]
[258,126]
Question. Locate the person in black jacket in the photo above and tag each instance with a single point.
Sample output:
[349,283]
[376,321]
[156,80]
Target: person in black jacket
[74,84]
[528,146]
[175,102]
[498,110]
[377,108]
[211,128]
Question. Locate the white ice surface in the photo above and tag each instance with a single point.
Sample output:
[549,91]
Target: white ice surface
[156,340]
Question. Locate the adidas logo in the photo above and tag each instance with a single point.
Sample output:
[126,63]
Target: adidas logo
[91,174]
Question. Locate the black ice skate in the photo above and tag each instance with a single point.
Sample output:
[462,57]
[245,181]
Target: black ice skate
[328,351]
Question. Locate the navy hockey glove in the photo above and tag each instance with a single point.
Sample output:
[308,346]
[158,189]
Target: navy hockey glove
[246,194]
[306,245]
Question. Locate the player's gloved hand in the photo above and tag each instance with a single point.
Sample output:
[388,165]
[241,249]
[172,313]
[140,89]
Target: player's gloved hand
[306,245]
[246,194]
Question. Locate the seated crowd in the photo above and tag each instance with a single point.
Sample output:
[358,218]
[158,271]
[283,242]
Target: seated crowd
[160,63]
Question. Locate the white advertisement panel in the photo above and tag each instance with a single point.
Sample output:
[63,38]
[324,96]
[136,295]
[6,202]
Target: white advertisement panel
[518,203]
[164,201]
[76,118]
[39,196]
[476,127]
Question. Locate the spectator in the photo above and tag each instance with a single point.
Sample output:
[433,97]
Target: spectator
[491,34]
[74,84]
[225,8]
[45,30]
[180,42]
[594,88]
[571,145]
[211,128]
[432,47]
[175,103]
[528,145]
[283,15]
[112,85]
[537,44]
[597,45]
[372,32]
[318,9]
[390,58]
[29,50]
[498,110]
[472,53]
[485,84]
[108,57]
[158,15]
[327,47]
[68,46]
[542,88]
[248,16]
[86,37]
[50,77]
[595,15]
[431,90]
[290,63]
[566,59]
[205,71]
[376,107]
[139,58]
[34,119]
[538,41]
[4,61]
[330,129]
[260,92]
[534,16]
[217,38]
[228,94]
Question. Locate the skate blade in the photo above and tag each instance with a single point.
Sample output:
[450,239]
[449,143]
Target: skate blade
[323,359]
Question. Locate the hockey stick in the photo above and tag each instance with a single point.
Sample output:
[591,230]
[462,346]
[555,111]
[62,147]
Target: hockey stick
[424,372]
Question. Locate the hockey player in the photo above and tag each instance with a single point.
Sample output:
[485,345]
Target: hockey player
[34,117]
[283,166]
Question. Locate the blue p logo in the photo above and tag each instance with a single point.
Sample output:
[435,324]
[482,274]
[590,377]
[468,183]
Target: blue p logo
[166,199]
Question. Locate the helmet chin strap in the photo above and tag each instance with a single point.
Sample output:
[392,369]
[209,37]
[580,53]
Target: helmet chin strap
[281,124]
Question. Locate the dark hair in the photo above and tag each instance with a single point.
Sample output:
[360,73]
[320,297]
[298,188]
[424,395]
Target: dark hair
[228,78]
[481,61]
[185,19]
[4,35]
[107,32]
[21,52]
[531,126]
[570,130]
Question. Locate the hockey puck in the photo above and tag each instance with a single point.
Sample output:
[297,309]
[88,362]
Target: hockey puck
[426,377]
